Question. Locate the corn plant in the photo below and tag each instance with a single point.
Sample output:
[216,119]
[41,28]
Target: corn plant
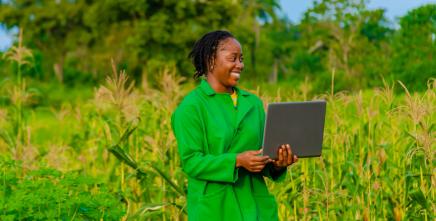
[19,95]
[377,161]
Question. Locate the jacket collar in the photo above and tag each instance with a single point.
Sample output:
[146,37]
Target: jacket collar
[208,90]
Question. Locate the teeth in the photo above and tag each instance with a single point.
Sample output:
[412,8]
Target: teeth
[235,75]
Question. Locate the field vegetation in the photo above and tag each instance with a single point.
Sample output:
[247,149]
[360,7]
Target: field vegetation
[87,137]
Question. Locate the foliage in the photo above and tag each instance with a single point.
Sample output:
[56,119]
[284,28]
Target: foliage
[48,194]
[71,151]
[414,46]
[137,34]
[360,45]
[377,160]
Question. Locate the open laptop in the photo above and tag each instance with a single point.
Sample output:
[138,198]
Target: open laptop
[299,124]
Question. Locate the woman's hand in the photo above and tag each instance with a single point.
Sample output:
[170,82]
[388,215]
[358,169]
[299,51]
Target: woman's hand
[251,160]
[285,157]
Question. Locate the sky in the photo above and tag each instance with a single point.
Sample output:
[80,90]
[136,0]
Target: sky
[294,9]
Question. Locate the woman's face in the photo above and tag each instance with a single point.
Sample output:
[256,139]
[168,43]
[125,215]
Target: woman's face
[227,66]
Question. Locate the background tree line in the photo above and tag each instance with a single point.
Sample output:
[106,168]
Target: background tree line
[73,40]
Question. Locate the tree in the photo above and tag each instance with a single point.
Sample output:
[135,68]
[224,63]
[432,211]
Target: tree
[350,40]
[80,37]
[414,47]
[48,30]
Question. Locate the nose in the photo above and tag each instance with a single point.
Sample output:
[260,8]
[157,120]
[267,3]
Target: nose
[240,65]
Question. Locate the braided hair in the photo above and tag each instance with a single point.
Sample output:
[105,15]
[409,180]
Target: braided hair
[204,51]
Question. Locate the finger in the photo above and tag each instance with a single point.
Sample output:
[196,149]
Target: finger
[268,160]
[258,163]
[282,159]
[260,158]
[277,163]
[295,158]
[254,152]
[280,154]
[285,154]
[290,158]
[292,154]
[258,168]
[278,150]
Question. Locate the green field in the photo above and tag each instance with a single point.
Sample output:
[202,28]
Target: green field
[112,155]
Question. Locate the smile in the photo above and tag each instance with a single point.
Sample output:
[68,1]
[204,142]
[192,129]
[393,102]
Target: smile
[235,75]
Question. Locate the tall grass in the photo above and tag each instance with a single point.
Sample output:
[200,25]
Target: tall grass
[377,162]
[15,136]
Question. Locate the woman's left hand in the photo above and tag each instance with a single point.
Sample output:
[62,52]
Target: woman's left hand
[285,157]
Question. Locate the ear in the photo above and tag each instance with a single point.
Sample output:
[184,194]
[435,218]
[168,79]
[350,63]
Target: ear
[211,64]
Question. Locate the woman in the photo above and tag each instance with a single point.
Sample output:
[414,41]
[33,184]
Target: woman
[219,130]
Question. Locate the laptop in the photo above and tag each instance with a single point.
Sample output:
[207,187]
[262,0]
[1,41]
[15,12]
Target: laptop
[299,124]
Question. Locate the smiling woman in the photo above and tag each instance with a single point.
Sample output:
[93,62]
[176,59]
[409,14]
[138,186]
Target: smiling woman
[226,62]
[219,130]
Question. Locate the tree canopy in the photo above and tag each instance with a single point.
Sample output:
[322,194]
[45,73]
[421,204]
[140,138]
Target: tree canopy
[74,40]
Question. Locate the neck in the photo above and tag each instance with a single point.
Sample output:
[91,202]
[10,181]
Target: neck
[217,86]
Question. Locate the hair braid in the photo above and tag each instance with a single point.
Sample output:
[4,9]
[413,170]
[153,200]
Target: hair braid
[204,51]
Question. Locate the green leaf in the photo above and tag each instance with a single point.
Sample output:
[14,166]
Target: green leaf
[123,156]
[126,134]
[167,178]
[418,197]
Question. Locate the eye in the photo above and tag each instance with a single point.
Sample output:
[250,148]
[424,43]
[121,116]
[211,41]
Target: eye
[233,58]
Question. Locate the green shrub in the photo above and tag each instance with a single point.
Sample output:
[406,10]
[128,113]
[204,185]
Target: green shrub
[48,194]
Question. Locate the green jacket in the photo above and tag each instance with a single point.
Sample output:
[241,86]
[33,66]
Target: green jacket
[210,132]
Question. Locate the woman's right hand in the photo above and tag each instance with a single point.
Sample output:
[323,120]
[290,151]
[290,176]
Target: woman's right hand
[251,160]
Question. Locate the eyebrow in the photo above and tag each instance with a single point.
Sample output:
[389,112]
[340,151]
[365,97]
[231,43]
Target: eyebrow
[234,54]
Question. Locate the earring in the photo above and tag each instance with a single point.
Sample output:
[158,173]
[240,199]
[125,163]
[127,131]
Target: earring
[212,65]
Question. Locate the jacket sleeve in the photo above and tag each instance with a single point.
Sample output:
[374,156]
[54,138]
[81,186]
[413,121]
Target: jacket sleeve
[190,134]
[269,170]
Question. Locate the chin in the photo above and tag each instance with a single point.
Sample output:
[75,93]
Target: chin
[233,82]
